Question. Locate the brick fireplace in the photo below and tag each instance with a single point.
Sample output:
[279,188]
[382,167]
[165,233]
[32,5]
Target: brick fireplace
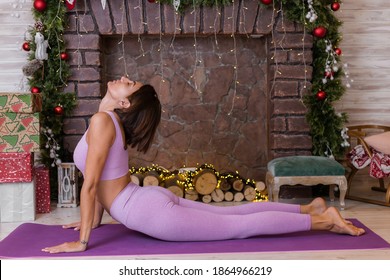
[230,79]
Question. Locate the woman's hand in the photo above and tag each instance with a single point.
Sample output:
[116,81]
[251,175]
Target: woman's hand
[76,225]
[66,247]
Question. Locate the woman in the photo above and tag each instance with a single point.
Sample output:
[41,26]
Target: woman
[128,116]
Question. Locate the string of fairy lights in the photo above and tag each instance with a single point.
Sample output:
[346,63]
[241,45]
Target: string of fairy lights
[303,49]
[309,14]
[188,175]
[197,60]
[122,40]
[331,66]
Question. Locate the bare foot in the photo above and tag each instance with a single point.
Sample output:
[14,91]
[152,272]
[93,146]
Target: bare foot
[339,225]
[316,207]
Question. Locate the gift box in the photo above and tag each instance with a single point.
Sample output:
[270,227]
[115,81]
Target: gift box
[42,189]
[20,102]
[17,202]
[16,167]
[19,132]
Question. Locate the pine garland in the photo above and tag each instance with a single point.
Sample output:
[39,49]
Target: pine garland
[325,123]
[51,79]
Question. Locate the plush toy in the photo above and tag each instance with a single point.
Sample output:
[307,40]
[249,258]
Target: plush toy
[40,54]
[42,44]
[32,66]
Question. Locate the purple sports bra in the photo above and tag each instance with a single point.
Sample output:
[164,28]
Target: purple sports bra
[117,161]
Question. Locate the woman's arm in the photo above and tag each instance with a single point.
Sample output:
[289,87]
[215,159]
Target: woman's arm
[97,218]
[100,137]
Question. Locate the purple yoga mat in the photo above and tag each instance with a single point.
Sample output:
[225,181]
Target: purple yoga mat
[28,239]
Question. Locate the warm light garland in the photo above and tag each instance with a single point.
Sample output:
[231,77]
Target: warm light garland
[188,175]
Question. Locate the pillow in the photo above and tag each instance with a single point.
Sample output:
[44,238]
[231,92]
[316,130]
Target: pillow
[380,142]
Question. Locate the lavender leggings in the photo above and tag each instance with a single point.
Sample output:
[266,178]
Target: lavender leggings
[157,212]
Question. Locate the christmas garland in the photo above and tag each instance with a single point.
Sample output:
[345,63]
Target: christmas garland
[188,177]
[326,126]
[47,72]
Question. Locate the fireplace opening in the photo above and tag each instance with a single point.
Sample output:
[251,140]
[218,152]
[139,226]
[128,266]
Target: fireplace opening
[213,93]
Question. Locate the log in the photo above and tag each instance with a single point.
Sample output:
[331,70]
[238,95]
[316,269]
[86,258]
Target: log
[249,193]
[229,196]
[191,194]
[217,195]
[205,182]
[151,178]
[225,185]
[177,190]
[206,199]
[137,178]
[237,184]
[174,186]
[260,186]
[238,197]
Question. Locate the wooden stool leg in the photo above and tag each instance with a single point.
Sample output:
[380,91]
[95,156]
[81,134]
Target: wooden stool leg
[343,191]
[273,187]
[388,193]
[269,180]
[331,192]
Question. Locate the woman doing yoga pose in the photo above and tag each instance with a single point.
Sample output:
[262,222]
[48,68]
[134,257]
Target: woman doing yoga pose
[129,115]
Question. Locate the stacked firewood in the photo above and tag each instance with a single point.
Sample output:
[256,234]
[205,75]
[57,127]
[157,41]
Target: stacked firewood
[203,183]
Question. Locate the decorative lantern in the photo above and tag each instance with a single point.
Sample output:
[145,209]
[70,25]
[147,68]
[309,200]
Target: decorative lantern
[67,185]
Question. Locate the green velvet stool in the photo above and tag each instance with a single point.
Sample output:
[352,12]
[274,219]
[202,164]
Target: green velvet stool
[307,171]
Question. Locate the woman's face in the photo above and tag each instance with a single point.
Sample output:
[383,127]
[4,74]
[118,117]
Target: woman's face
[123,88]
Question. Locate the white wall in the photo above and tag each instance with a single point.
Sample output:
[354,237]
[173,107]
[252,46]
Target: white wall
[365,45]
[15,19]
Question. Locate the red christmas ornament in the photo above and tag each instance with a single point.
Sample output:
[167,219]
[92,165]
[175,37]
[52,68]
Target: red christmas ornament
[335,6]
[58,110]
[35,90]
[70,4]
[329,74]
[64,56]
[266,2]
[319,32]
[321,95]
[152,1]
[337,51]
[40,5]
[26,46]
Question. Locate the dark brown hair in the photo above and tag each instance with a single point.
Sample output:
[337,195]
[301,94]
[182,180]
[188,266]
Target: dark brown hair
[141,119]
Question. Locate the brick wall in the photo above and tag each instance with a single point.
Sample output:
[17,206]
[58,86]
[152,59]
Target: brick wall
[287,65]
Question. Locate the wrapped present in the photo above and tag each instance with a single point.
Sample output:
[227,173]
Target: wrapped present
[17,202]
[42,189]
[16,167]
[20,102]
[19,132]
